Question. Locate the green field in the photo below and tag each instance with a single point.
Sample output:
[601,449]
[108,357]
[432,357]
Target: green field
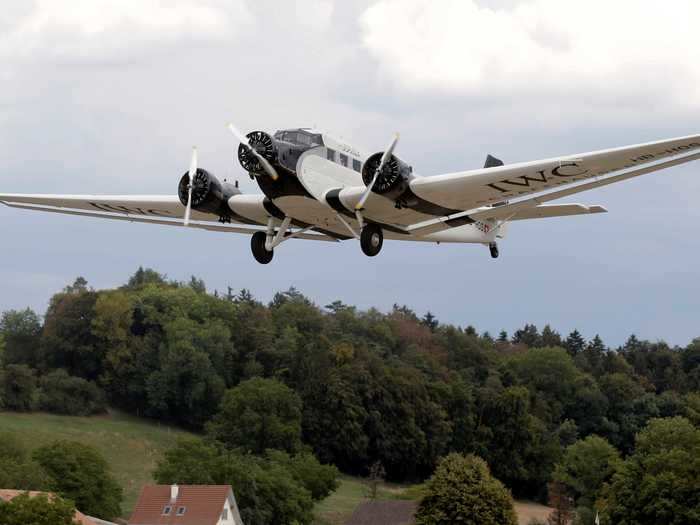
[131,445]
[337,508]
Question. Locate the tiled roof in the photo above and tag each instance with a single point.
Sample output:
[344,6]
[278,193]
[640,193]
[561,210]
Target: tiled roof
[8,494]
[391,512]
[203,504]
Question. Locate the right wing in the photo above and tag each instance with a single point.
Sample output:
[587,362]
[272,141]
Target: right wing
[164,210]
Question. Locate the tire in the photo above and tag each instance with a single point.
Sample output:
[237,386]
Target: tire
[371,240]
[257,245]
[493,248]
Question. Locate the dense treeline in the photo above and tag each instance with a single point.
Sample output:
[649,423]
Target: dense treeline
[394,388]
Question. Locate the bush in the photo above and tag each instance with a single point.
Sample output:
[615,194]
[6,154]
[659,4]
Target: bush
[80,473]
[462,490]
[37,510]
[61,393]
[18,387]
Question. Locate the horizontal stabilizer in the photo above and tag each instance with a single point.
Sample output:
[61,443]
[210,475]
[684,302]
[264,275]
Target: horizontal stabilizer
[544,211]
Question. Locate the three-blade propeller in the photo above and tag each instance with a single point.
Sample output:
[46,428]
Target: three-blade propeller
[190,186]
[385,158]
[269,169]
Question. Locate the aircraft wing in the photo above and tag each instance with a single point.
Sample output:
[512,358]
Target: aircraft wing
[164,210]
[482,187]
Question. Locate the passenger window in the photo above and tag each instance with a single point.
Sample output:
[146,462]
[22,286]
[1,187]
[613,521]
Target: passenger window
[330,155]
[356,165]
[344,159]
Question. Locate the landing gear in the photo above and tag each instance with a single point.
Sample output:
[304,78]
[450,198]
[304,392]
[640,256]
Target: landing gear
[260,252]
[371,239]
[493,248]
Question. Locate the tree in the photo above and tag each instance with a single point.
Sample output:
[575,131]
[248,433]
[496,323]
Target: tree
[375,478]
[64,394]
[20,331]
[258,414]
[560,501]
[18,388]
[575,343]
[144,277]
[17,470]
[80,473]
[585,467]
[528,336]
[462,490]
[275,490]
[37,510]
[430,321]
[659,482]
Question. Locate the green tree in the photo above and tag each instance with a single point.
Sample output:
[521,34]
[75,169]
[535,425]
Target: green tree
[575,343]
[37,510]
[258,414]
[80,473]
[21,332]
[143,277]
[659,482]
[17,470]
[18,388]
[320,480]
[585,467]
[268,491]
[462,490]
[64,394]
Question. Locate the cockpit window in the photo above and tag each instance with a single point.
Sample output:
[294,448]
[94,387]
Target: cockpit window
[300,137]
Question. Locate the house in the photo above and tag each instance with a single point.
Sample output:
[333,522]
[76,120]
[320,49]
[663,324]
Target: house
[390,512]
[186,505]
[7,495]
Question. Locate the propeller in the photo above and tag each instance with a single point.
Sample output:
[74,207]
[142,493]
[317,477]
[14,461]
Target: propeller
[263,161]
[190,186]
[385,158]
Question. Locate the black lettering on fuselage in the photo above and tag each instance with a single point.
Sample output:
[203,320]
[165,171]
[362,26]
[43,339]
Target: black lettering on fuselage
[526,180]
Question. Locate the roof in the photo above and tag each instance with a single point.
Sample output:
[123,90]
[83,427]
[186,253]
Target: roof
[390,512]
[203,504]
[8,494]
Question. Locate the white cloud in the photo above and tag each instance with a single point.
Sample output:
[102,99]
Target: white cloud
[314,14]
[600,49]
[114,29]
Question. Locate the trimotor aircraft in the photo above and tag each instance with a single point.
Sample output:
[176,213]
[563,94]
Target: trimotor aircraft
[317,187]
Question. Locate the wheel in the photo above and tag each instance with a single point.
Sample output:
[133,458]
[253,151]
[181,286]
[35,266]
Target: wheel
[371,240]
[493,248]
[257,245]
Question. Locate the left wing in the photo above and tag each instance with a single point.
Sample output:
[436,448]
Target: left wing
[482,187]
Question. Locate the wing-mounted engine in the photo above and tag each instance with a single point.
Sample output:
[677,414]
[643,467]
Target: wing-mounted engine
[209,195]
[393,178]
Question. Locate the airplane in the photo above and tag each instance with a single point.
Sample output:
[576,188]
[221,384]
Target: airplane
[317,187]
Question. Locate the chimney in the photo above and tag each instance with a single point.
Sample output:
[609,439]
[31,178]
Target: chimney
[174,490]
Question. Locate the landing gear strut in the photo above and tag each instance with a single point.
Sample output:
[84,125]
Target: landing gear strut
[493,248]
[260,252]
[371,239]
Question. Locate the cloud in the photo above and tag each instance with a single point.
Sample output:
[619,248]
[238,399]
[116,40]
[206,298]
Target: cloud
[314,14]
[97,30]
[611,52]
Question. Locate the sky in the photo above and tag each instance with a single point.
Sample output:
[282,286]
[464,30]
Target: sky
[101,96]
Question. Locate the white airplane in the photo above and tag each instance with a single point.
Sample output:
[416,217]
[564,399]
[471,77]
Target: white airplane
[320,188]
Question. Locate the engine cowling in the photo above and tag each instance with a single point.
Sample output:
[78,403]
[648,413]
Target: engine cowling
[263,144]
[393,179]
[209,195]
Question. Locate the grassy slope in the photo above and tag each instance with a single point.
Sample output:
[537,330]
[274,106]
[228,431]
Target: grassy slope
[337,508]
[130,445]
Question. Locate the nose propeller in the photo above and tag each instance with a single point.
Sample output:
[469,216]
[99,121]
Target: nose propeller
[269,169]
[190,186]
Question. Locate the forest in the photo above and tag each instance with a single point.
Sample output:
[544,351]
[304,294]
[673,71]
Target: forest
[352,388]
